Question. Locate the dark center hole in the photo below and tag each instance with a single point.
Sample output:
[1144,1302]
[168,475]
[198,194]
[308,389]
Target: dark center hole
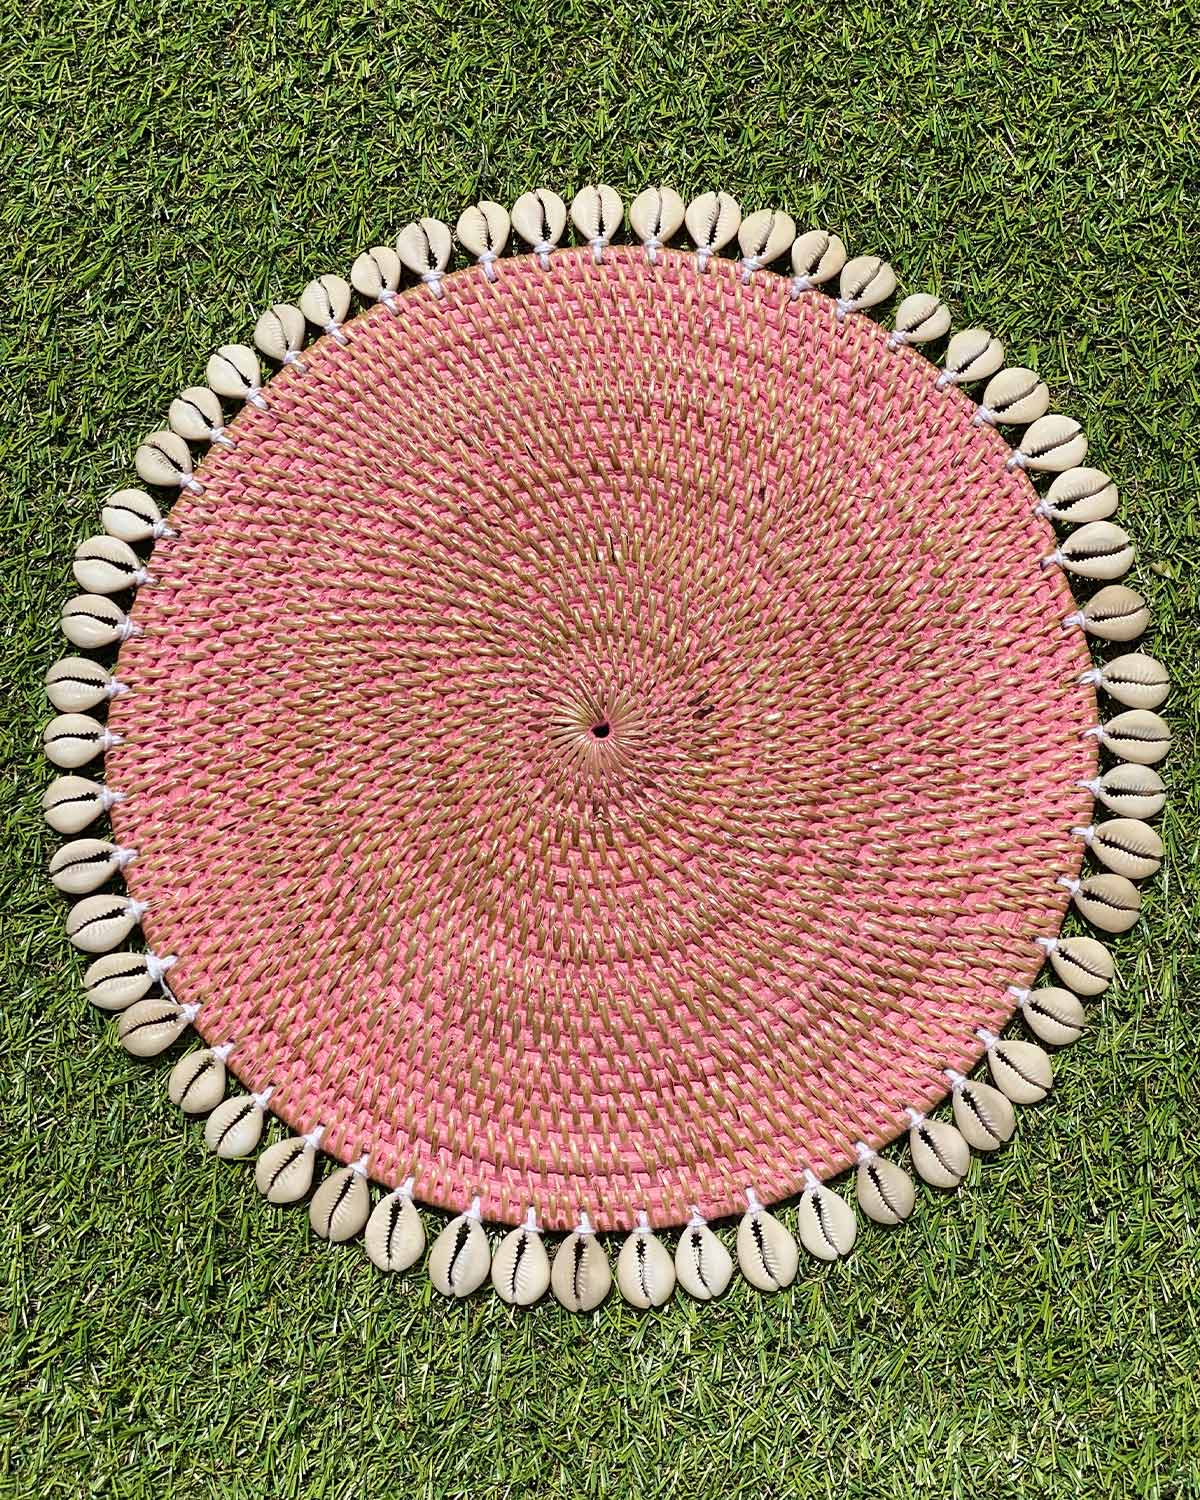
[601,730]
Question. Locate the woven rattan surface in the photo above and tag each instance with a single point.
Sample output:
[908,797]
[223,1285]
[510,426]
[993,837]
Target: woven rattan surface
[603,739]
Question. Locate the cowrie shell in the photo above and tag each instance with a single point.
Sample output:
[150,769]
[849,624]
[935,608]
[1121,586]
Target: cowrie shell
[376,273]
[341,1206]
[920,319]
[116,980]
[1134,790]
[281,330]
[71,740]
[885,1191]
[425,246]
[164,458]
[149,1027]
[712,220]
[1098,550]
[597,214]
[826,1223]
[1052,443]
[235,1127]
[85,865]
[765,235]
[106,565]
[1136,680]
[939,1153]
[92,622]
[484,228]
[645,1270]
[132,516]
[817,256]
[70,803]
[1115,613]
[1020,1069]
[196,415]
[1083,963]
[540,217]
[1015,396]
[395,1236]
[326,300]
[766,1252]
[984,1116]
[1054,1015]
[233,371]
[972,354]
[1137,735]
[197,1082]
[865,281]
[579,1277]
[521,1267]
[461,1259]
[703,1266]
[656,214]
[1079,495]
[76,684]
[1127,847]
[284,1172]
[1108,901]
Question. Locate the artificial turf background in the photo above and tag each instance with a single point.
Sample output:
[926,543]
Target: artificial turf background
[169,170]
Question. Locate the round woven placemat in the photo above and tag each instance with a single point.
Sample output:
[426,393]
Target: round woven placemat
[603,739]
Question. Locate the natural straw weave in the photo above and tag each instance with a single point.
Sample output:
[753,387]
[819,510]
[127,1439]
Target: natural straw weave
[722,943]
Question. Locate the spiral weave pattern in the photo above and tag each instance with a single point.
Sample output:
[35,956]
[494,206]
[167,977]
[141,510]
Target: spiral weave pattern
[603,739]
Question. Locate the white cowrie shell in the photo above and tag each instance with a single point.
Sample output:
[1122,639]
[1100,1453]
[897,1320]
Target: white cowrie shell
[1108,901]
[579,1277]
[461,1259]
[114,981]
[1128,847]
[394,1236]
[284,1172]
[712,220]
[654,216]
[1136,680]
[86,864]
[132,516]
[233,371]
[1051,444]
[825,1222]
[1136,791]
[763,237]
[817,257]
[1082,963]
[540,218]
[70,803]
[1020,1069]
[76,684]
[703,1266]
[164,458]
[1015,396]
[885,1191]
[196,415]
[520,1266]
[1097,550]
[425,248]
[325,301]
[376,274]
[149,1027]
[919,319]
[483,230]
[1137,735]
[1115,613]
[645,1270]
[71,740]
[280,333]
[341,1206]
[767,1254]
[1079,495]
[939,1153]
[597,213]
[98,923]
[972,354]
[865,281]
[984,1116]
[197,1081]
[106,565]
[235,1127]
[91,621]
[1054,1015]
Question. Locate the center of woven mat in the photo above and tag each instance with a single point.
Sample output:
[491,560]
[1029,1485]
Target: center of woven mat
[603,739]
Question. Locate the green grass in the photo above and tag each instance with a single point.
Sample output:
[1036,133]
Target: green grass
[168,170]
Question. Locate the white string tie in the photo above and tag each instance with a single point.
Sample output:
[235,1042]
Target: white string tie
[1087,834]
[156,967]
[750,264]
[260,1101]
[800,284]
[487,260]
[433,280]
[314,1137]
[598,243]
[359,1167]
[703,255]
[653,246]
[542,250]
